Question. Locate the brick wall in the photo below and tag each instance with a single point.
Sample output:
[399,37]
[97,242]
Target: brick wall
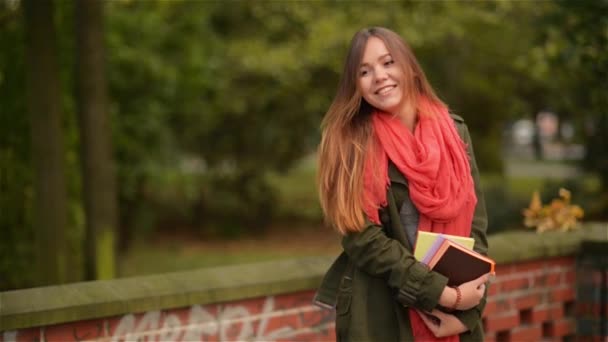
[528,301]
[532,301]
[289,317]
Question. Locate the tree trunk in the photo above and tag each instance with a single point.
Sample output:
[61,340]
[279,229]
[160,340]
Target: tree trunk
[99,183]
[43,100]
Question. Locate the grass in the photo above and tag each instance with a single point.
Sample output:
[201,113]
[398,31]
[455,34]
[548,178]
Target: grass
[516,186]
[177,252]
[144,259]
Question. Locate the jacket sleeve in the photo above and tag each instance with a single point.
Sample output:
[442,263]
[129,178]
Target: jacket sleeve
[373,252]
[471,317]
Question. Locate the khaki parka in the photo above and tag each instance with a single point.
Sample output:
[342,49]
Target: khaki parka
[376,278]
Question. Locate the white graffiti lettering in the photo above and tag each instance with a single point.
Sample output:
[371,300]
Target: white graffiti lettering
[232,322]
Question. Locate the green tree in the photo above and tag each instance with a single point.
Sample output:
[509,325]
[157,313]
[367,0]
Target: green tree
[583,27]
[16,174]
[44,106]
[576,49]
[97,163]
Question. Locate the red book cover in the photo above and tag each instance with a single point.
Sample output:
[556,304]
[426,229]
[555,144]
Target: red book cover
[460,264]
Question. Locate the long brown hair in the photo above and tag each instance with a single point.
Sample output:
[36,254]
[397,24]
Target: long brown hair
[347,132]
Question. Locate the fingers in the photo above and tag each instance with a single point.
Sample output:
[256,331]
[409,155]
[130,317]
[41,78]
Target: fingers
[424,318]
[429,323]
[482,280]
[439,314]
[432,317]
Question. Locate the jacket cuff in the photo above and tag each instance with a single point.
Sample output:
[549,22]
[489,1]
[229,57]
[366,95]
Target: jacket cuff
[470,318]
[422,288]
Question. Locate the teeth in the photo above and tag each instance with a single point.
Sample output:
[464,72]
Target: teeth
[385,90]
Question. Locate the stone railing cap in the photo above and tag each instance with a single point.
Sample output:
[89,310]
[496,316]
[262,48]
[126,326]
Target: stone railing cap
[87,300]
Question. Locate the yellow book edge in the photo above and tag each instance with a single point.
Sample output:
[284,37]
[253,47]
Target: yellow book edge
[425,241]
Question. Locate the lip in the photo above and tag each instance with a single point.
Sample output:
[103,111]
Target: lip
[391,86]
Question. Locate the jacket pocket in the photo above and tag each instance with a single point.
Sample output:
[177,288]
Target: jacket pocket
[343,301]
[343,315]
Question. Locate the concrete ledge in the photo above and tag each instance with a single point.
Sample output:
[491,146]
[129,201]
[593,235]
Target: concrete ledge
[79,301]
[517,246]
[87,300]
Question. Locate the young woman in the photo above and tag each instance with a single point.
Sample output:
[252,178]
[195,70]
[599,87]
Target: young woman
[392,162]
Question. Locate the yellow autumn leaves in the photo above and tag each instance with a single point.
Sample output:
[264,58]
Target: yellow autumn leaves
[560,214]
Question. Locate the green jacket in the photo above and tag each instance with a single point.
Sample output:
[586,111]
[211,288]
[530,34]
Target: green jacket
[377,277]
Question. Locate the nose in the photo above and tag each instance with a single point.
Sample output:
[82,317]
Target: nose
[380,74]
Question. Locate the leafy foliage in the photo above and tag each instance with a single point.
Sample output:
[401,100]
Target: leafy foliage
[560,214]
[208,99]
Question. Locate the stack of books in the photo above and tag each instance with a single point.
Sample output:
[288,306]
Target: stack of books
[453,256]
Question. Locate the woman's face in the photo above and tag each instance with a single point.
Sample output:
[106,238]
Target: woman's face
[380,79]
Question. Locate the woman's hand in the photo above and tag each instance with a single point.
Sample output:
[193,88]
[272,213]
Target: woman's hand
[445,325]
[470,294]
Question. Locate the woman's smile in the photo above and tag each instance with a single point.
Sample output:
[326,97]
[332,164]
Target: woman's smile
[385,90]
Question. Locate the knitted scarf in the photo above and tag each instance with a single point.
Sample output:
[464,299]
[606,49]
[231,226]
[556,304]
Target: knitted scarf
[435,162]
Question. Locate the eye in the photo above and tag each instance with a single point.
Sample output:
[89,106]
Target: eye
[389,62]
[362,72]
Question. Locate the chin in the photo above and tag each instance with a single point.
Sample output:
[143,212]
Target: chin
[389,108]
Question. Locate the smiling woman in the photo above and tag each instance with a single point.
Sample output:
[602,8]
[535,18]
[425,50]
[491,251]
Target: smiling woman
[393,161]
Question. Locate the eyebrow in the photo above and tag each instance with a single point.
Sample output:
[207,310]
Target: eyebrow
[379,58]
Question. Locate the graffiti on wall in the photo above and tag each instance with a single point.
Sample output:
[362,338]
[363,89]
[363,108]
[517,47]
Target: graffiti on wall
[288,317]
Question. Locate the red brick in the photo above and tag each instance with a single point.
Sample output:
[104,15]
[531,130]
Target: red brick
[488,338]
[547,314]
[497,306]
[308,294]
[504,305]
[503,336]
[526,267]
[183,314]
[569,277]
[562,261]
[279,322]
[562,327]
[24,335]
[76,331]
[292,300]
[504,322]
[527,301]
[567,261]
[490,308]
[514,284]
[307,336]
[493,289]
[563,294]
[253,305]
[504,270]
[527,333]
[547,280]
[316,316]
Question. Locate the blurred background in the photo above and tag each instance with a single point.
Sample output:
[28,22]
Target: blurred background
[142,137]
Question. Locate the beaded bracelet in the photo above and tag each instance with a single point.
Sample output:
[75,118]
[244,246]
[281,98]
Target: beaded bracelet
[458,298]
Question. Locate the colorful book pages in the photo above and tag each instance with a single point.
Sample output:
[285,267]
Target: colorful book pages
[458,263]
[427,240]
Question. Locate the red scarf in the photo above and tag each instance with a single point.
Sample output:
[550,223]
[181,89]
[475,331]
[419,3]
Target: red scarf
[435,162]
